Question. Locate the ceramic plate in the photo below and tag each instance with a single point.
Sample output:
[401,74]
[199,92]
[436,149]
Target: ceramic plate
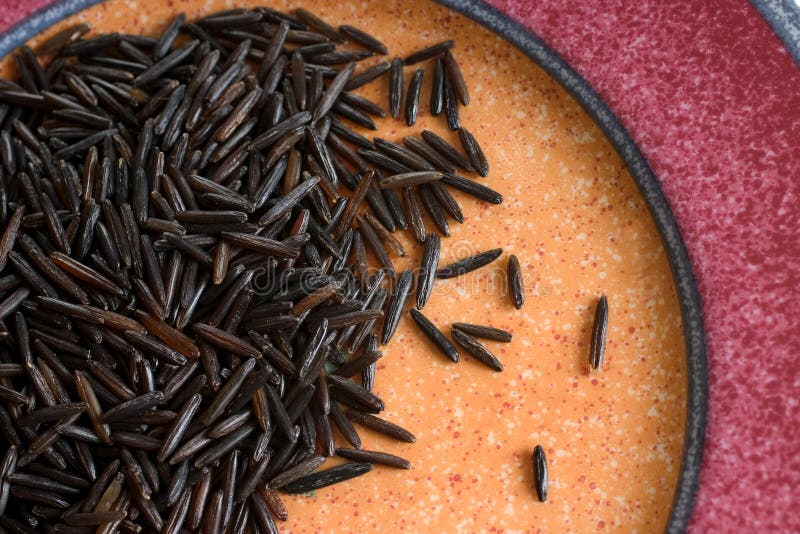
[586,217]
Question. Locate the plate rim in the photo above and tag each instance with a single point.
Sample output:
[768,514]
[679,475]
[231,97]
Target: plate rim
[784,19]
[644,177]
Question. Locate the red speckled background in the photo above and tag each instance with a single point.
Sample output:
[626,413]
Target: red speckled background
[712,99]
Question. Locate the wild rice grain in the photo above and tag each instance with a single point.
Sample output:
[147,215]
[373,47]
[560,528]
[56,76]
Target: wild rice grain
[428,267]
[446,200]
[366,76]
[516,288]
[319,25]
[469,264]
[540,473]
[364,39]
[485,332]
[597,348]
[328,477]
[413,214]
[179,427]
[434,210]
[395,87]
[451,106]
[396,305]
[133,406]
[63,38]
[381,425]
[429,52]
[456,78]
[296,472]
[410,179]
[473,149]
[421,148]
[412,97]
[476,349]
[374,457]
[447,150]
[435,335]
[473,188]
[386,235]
[348,391]
[335,88]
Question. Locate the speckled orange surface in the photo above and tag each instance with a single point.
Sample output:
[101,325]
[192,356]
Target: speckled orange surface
[574,217]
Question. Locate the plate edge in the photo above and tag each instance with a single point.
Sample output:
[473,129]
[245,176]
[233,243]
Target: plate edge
[783,16]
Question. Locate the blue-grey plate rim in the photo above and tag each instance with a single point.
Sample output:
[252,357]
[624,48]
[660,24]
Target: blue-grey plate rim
[783,16]
[637,165]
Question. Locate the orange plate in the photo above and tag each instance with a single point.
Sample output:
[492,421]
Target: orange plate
[576,220]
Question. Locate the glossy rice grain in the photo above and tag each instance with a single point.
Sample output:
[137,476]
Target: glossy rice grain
[435,335]
[397,305]
[434,209]
[381,425]
[374,457]
[484,332]
[476,349]
[474,151]
[429,52]
[540,473]
[328,477]
[469,264]
[412,97]
[597,347]
[428,268]
[516,288]
[367,76]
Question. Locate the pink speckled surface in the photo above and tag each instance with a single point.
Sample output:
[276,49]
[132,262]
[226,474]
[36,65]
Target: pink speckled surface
[711,97]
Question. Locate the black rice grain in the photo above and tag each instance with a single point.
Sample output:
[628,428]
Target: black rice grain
[328,477]
[540,473]
[429,52]
[435,335]
[296,472]
[374,457]
[516,287]
[412,97]
[597,347]
[376,245]
[348,391]
[437,88]
[429,154]
[319,25]
[381,426]
[473,188]
[364,39]
[447,150]
[476,349]
[469,264]
[451,106]
[366,76]
[474,151]
[484,332]
[395,86]
[428,267]
[456,78]
[397,305]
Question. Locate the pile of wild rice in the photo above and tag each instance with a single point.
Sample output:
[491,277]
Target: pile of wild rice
[185,295]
